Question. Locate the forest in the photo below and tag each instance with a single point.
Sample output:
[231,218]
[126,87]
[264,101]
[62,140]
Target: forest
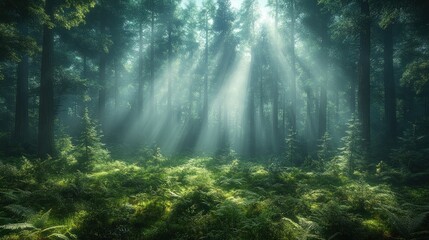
[214,119]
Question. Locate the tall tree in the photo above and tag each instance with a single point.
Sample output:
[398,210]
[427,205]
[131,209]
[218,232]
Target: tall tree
[21,113]
[293,66]
[207,15]
[73,14]
[364,71]
[275,78]
[140,81]
[46,106]
[389,86]
[225,43]
[248,17]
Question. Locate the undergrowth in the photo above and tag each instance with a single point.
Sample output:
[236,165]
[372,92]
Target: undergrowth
[155,197]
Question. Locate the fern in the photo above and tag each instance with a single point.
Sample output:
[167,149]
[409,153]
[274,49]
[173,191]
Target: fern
[17,226]
[14,194]
[407,223]
[36,226]
[19,210]
[58,236]
[303,229]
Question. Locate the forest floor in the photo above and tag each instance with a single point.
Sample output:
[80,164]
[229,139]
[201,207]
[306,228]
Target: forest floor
[204,198]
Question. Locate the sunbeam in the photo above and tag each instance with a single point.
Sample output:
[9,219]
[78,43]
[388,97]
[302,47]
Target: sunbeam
[227,108]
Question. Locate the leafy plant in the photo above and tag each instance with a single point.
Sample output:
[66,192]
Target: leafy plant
[411,153]
[303,229]
[409,222]
[66,151]
[37,226]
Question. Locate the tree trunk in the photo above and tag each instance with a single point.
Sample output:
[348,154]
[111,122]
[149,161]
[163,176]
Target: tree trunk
[46,105]
[21,134]
[351,74]
[152,60]
[364,74]
[293,73]
[275,93]
[116,62]
[251,106]
[206,73]
[140,73]
[169,55]
[275,113]
[309,121]
[323,103]
[389,87]
[102,89]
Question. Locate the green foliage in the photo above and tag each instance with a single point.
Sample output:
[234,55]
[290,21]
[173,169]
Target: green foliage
[65,148]
[90,148]
[324,152]
[409,222]
[335,221]
[105,222]
[152,156]
[148,213]
[14,44]
[303,229]
[195,198]
[416,76]
[38,226]
[411,151]
[72,13]
[351,154]
[291,156]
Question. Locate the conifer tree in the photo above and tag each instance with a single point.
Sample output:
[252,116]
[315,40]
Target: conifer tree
[352,152]
[90,148]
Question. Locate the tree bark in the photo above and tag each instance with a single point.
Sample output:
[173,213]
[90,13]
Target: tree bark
[323,102]
[102,88]
[46,105]
[21,109]
[293,73]
[389,87]
[102,78]
[116,62]
[140,73]
[152,58]
[251,106]
[169,56]
[206,72]
[275,93]
[364,73]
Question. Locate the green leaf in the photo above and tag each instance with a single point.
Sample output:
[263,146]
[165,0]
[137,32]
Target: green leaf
[58,236]
[17,226]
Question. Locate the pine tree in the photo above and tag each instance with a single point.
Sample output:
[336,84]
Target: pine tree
[90,148]
[352,152]
[324,152]
[291,147]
